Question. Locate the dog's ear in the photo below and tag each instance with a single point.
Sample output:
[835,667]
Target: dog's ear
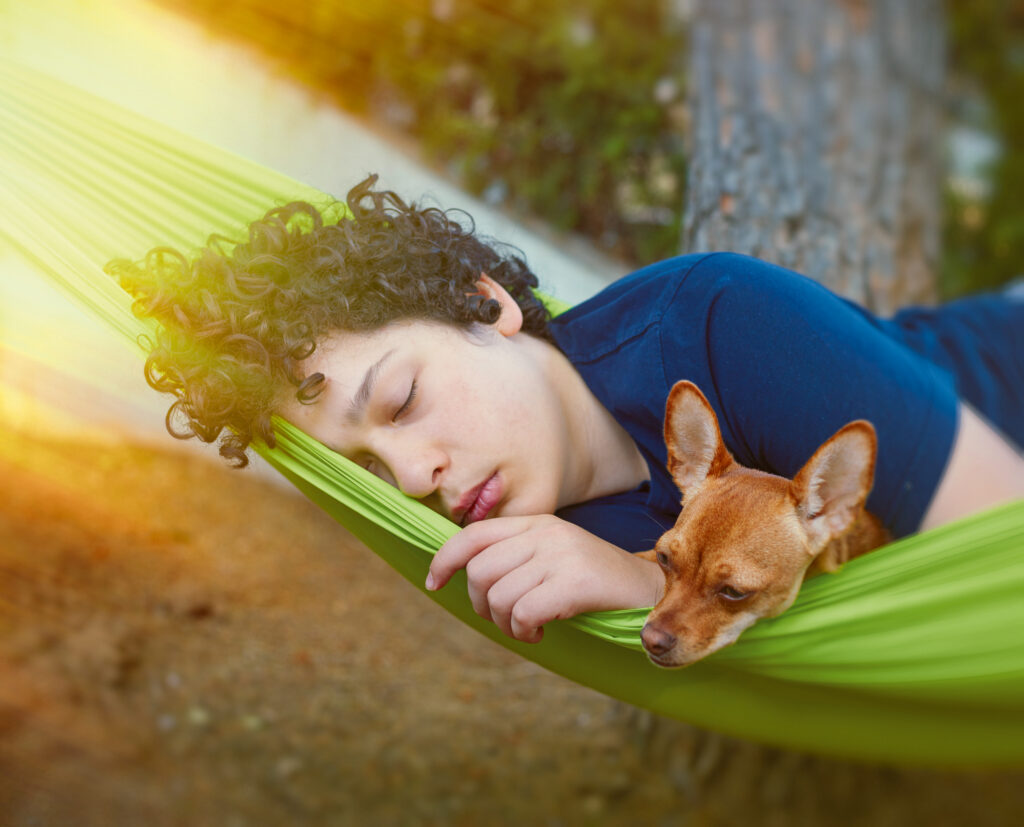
[831,488]
[695,448]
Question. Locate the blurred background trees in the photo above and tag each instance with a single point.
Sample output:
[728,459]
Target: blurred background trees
[575,111]
[984,218]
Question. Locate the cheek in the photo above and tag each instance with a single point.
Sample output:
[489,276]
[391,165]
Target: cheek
[504,418]
[736,626]
[310,418]
[784,600]
[500,414]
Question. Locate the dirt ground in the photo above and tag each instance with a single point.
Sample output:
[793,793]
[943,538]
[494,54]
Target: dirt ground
[181,644]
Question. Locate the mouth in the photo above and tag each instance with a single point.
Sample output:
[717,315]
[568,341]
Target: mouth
[478,502]
[666,662]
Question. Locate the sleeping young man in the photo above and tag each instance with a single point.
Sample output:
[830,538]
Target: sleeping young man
[403,341]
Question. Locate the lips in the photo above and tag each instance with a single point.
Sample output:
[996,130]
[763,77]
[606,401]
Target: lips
[477,503]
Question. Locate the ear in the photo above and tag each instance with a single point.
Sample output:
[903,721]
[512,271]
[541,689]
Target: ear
[695,448]
[831,488]
[510,321]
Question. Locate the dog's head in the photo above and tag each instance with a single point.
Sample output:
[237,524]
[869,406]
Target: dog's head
[744,539]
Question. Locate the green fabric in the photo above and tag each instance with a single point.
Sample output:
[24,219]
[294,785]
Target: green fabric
[912,654]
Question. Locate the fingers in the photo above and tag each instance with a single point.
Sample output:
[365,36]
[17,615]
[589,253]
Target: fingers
[522,601]
[493,565]
[502,603]
[464,546]
[540,605]
[500,571]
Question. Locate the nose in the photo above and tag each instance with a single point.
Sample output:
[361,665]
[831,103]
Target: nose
[657,641]
[417,469]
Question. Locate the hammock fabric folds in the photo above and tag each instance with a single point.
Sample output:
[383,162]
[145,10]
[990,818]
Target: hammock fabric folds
[914,654]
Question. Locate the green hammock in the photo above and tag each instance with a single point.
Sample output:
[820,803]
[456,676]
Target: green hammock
[912,654]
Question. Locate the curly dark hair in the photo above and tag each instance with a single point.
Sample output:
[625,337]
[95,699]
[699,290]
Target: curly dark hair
[236,319]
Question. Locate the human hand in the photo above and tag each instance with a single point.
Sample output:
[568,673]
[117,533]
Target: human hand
[525,571]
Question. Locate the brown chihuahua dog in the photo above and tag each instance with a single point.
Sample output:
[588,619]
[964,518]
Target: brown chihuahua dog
[745,539]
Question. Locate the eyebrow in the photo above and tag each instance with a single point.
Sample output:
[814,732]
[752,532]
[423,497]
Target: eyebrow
[362,397]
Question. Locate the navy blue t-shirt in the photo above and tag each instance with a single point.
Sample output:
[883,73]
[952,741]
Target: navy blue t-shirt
[783,361]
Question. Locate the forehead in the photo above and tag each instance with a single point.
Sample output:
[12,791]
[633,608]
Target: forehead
[731,513]
[346,359]
[347,355]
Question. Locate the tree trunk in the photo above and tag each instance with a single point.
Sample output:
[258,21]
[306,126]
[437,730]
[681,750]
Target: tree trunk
[816,140]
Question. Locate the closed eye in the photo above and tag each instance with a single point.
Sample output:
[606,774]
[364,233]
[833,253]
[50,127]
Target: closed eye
[407,404]
[733,594]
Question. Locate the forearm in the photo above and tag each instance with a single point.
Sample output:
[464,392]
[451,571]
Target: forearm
[983,470]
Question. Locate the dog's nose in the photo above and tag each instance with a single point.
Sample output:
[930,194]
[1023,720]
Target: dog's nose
[657,641]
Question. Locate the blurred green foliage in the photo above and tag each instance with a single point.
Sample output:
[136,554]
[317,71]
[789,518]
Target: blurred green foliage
[568,109]
[574,111]
[983,232]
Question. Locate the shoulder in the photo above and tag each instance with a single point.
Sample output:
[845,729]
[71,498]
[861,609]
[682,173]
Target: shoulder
[679,291]
[744,281]
[643,290]
[657,288]
[742,302]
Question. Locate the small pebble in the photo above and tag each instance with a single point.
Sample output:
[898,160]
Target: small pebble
[287,766]
[197,716]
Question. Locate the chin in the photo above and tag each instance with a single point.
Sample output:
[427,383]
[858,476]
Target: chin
[675,660]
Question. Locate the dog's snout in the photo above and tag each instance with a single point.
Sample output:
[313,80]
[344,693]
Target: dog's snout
[657,641]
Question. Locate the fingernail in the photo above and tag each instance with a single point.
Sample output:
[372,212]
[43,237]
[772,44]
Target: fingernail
[430,581]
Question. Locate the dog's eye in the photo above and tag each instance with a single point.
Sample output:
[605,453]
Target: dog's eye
[729,593]
[662,559]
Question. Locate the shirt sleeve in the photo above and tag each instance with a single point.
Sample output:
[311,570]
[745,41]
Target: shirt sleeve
[789,363]
[625,520]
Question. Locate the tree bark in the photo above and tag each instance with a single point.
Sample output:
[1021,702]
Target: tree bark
[815,140]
